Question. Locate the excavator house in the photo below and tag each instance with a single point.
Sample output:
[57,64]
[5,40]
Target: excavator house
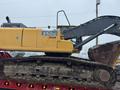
[57,69]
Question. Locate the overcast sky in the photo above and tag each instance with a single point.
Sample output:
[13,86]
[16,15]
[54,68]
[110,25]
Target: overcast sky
[42,13]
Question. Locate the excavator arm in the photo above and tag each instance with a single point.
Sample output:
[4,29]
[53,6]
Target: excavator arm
[93,28]
[106,53]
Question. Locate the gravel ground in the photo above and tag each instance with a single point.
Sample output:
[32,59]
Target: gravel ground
[117,86]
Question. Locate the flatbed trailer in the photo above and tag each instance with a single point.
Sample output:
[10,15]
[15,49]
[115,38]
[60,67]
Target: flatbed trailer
[12,85]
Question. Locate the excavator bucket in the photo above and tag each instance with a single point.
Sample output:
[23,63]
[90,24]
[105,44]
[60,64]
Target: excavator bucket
[106,53]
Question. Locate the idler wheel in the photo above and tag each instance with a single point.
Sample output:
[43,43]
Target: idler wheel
[104,76]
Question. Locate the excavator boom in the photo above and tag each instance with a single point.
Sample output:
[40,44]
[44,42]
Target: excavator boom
[94,26]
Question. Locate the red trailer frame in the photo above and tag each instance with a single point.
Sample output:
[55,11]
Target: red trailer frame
[12,85]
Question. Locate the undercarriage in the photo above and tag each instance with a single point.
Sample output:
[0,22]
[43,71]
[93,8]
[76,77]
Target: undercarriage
[58,70]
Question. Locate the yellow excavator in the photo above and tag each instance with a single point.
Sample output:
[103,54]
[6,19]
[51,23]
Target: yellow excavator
[33,39]
[57,65]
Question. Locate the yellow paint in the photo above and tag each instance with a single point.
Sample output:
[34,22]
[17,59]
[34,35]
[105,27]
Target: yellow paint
[29,38]
[32,39]
[117,62]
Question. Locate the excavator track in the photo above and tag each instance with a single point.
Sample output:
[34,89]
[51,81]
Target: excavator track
[59,70]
